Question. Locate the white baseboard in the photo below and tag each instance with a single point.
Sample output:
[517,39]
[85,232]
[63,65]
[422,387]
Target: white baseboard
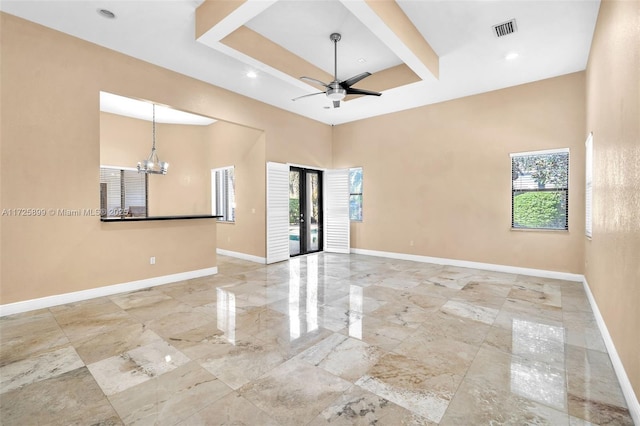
[625,383]
[77,296]
[243,256]
[476,265]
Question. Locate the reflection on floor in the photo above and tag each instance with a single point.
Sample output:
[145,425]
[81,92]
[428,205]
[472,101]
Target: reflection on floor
[321,339]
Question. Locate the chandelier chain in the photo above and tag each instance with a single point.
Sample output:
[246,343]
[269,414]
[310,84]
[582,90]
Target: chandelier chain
[154,127]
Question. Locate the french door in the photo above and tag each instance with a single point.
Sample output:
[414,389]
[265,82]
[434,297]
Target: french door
[305,211]
[284,229]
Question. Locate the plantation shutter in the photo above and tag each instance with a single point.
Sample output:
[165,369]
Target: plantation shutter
[277,212]
[223,197]
[220,208]
[589,186]
[231,194]
[337,224]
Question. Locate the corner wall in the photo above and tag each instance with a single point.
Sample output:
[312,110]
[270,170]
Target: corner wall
[437,179]
[245,149]
[612,261]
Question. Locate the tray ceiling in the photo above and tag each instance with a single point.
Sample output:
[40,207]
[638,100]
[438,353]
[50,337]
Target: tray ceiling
[420,52]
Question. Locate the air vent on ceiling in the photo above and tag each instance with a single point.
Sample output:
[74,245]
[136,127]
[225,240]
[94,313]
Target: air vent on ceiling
[505,28]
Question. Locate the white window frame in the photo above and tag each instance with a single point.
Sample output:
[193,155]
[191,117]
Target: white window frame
[588,210]
[542,152]
[228,208]
[354,193]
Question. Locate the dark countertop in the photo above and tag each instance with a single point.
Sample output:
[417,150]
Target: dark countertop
[150,218]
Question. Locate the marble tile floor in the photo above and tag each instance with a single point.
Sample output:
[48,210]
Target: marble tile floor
[320,339]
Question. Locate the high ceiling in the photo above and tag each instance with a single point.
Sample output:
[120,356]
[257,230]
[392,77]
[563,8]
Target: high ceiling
[419,52]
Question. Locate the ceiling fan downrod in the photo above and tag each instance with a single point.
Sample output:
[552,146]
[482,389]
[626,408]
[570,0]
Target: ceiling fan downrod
[335,38]
[335,91]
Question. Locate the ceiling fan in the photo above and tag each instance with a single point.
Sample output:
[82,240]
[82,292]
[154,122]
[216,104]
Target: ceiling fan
[337,90]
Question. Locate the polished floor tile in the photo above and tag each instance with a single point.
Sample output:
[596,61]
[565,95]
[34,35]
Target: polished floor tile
[342,356]
[485,404]
[230,410]
[357,406]
[320,339]
[413,384]
[39,367]
[169,398]
[28,335]
[136,366]
[69,398]
[295,392]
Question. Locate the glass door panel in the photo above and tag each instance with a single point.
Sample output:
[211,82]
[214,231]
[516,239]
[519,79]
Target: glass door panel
[305,211]
[312,228]
[294,212]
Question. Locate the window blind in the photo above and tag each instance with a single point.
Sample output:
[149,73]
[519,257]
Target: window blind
[122,189]
[540,190]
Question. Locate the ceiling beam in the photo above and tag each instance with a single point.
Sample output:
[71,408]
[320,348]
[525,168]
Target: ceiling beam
[387,20]
[215,19]
[262,49]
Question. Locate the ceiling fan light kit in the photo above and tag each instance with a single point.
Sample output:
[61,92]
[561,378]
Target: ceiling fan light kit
[337,90]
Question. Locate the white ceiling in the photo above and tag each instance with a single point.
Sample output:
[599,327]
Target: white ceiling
[553,39]
[304,27]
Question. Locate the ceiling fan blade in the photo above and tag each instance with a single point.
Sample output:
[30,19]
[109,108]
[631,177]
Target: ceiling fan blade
[313,80]
[353,80]
[306,96]
[351,91]
[336,104]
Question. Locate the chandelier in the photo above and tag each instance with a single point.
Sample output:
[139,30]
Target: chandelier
[152,164]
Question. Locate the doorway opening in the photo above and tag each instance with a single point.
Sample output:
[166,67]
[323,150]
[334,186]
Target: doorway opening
[305,211]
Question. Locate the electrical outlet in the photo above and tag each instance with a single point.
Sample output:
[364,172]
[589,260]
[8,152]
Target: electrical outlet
[411,243]
[152,260]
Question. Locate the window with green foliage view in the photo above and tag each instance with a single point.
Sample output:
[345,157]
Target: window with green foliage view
[540,190]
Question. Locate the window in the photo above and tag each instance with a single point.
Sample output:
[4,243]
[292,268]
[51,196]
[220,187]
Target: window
[223,194]
[540,190]
[588,223]
[123,192]
[355,194]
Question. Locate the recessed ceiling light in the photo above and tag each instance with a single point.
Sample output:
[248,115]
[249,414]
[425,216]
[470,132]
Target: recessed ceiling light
[252,74]
[105,13]
[511,56]
[362,60]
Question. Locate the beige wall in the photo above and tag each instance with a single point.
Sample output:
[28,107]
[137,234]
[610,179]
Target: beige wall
[192,152]
[186,189]
[245,149]
[439,176]
[612,263]
[51,155]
